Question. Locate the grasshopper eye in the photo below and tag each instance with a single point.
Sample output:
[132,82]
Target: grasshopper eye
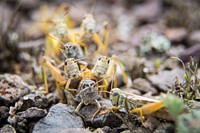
[85,85]
[92,84]
[66,62]
[108,61]
[74,48]
[114,93]
[100,58]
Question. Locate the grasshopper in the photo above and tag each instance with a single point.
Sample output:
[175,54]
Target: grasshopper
[106,67]
[70,50]
[71,71]
[87,32]
[87,94]
[133,103]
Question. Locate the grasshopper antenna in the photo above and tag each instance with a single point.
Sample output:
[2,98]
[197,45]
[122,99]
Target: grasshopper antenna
[63,53]
[102,80]
[91,12]
[66,8]
[79,8]
[56,39]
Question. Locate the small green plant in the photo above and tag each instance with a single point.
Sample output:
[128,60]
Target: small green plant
[190,88]
[189,123]
[174,104]
[154,42]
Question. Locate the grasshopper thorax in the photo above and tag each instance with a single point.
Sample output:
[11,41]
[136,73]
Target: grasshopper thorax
[101,66]
[88,91]
[71,68]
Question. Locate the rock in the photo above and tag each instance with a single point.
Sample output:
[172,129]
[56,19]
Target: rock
[29,4]
[165,79]
[3,113]
[143,85]
[101,130]
[7,129]
[175,51]
[176,34]
[193,51]
[132,64]
[107,129]
[12,89]
[151,123]
[36,99]
[152,11]
[60,117]
[108,119]
[75,130]
[142,130]
[165,128]
[21,120]
[131,90]
[33,113]
[194,38]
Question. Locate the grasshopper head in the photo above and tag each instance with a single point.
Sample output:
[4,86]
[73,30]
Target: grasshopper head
[88,23]
[70,50]
[115,95]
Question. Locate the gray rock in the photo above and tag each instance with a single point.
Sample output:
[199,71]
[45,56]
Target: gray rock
[130,90]
[151,13]
[165,128]
[132,64]
[166,78]
[143,85]
[142,130]
[194,38]
[36,99]
[21,120]
[12,88]
[75,130]
[33,113]
[176,34]
[193,52]
[60,117]
[3,113]
[7,129]
[108,119]
[151,123]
